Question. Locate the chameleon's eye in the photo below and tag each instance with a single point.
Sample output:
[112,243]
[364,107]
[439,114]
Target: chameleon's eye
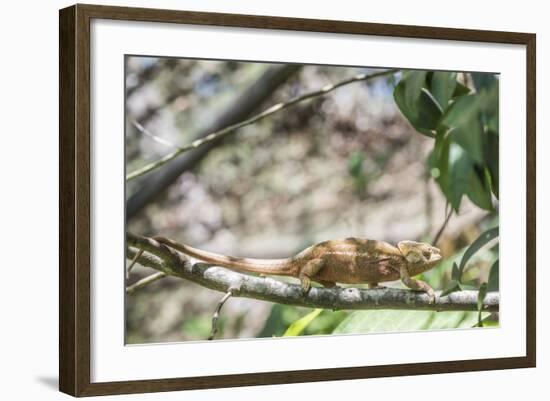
[426,254]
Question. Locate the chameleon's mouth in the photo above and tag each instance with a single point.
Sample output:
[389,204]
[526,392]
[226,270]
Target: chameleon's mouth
[435,256]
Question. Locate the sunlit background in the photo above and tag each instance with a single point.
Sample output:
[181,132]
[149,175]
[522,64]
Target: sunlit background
[340,165]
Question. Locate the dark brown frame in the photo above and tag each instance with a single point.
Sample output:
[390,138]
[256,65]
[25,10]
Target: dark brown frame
[74,202]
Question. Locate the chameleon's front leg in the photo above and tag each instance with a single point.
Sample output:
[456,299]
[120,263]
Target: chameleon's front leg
[414,284]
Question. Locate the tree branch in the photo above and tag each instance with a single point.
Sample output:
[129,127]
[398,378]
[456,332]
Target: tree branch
[170,262]
[144,281]
[239,109]
[231,128]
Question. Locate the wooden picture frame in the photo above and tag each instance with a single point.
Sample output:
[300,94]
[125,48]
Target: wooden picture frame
[75,200]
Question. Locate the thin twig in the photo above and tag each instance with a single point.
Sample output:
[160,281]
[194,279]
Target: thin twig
[216,314]
[447,218]
[155,138]
[132,263]
[167,260]
[271,110]
[144,281]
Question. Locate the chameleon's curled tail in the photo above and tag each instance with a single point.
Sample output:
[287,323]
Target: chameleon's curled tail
[281,267]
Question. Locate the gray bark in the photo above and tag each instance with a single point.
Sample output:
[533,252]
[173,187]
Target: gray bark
[170,262]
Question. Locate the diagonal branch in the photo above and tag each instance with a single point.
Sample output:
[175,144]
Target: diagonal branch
[170,262]
[271,110]
[239,109]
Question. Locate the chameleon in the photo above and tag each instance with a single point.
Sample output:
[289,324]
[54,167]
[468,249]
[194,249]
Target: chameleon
[348,261]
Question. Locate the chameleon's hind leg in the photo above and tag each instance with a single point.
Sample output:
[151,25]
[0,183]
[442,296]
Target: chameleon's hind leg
[309,271]
[414,284]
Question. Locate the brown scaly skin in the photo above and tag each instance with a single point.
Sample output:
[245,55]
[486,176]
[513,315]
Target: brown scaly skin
[349,261]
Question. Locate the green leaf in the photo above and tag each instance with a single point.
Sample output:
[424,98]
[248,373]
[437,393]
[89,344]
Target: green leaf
[417,104]
[453,286]
[438,162]
[297,327]
[461,90]
[464,123]
[483,239]
[493,277]
[488,322]
[376,321]
[460,168]
[482,80]
[457,174]
[489,106]
[414,83]
[450,166]
[443,85]
[491,158]
[480,298]
[479,188]
[455,274]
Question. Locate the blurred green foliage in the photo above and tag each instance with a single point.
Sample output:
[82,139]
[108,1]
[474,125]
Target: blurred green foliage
[464,123]
[355,169]
[298,326]
[458,269]
[282,317]
[198,327]
[377,321]
[464,161]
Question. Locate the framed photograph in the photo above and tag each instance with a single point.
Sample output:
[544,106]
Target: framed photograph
[250,200]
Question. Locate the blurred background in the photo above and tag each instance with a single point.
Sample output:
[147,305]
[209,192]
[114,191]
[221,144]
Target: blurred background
[340,165]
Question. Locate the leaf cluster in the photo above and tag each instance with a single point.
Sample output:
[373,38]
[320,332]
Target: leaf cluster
[465,125]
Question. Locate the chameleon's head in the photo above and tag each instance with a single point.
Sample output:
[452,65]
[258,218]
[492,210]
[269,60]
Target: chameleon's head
[419,255]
